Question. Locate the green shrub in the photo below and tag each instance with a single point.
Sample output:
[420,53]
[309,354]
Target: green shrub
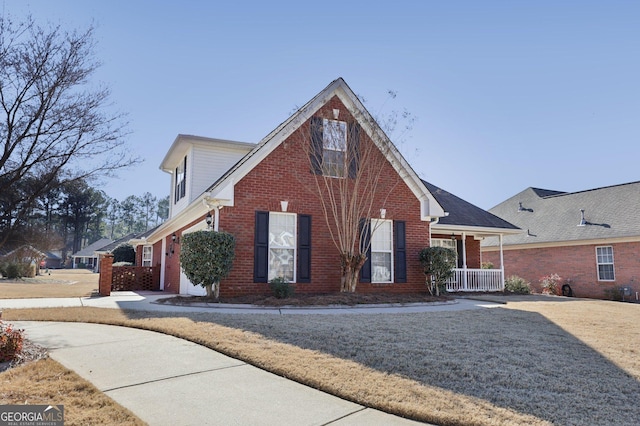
[516,284]
[13,271]
[437,264]
[206,257]
[11,341]
[281,288]
[124,253]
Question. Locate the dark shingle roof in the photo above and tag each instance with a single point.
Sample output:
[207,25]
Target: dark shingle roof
[463,213]
[553,216]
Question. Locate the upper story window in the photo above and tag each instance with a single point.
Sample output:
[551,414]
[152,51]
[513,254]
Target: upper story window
[180,181]
[604,258]
[334,147]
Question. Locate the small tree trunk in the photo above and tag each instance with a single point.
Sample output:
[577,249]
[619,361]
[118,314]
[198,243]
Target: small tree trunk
[216,290]
[208,288]
[351,265]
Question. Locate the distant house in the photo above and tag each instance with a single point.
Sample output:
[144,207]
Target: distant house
[24,255]
[88,256]
[261,194]
[590,238]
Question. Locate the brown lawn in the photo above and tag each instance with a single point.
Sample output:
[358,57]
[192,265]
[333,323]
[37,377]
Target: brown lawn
[59,283]
[567,361]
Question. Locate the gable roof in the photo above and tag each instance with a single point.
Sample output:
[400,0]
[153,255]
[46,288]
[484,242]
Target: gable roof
[463,214]
[89,250]
[221,192]
[553,216]
[220,189]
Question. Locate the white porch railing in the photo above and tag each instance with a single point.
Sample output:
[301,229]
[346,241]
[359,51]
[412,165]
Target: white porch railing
[475,280]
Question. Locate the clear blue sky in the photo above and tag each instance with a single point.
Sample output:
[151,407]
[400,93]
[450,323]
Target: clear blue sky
[508,94]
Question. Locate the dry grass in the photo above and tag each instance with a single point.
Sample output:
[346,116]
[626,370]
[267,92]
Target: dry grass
[61,283]
[47,382]
[532,363]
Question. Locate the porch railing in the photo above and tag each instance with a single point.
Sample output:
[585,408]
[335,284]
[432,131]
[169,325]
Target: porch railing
[475,280]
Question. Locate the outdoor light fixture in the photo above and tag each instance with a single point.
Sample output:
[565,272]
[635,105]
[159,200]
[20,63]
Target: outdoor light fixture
[209,220]
[453,237]
[175,239]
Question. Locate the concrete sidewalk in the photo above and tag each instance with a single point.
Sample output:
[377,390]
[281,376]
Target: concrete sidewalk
[169,381]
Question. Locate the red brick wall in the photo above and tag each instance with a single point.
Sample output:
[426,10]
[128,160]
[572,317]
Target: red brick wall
[285,175]
[575,263]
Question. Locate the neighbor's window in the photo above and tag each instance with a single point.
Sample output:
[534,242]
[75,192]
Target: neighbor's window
[381,251]
[604,256]
[334,147]
[180,181]
[282,245]
[147,255]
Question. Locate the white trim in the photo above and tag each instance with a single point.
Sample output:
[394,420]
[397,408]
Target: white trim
[603,241]
[294,247]
[612,263]
[376,225]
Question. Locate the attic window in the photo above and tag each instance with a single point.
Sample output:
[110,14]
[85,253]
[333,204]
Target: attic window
[180,189]
[334,147]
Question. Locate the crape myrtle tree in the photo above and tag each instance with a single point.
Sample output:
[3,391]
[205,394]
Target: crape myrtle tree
[55,125]
[348,157]
[206,257]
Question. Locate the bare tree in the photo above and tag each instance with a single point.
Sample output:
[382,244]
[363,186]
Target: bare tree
[55,126]
[348,161]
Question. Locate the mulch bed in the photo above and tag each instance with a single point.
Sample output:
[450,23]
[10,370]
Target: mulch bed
[347,299]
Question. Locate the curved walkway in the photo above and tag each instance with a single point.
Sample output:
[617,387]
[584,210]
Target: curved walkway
[165,380]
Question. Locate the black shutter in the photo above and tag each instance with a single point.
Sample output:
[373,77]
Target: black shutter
[183,186]
[365,243]
[400,251]
[353,148]
[304,249]
[261,248]
[316,145]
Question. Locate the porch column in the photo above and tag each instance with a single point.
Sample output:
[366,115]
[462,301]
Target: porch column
[501,264]
[464,259]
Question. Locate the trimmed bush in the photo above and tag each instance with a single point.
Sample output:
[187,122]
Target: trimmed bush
[517,285]
[437,264]
[11,341]
[124,253]
[282,289]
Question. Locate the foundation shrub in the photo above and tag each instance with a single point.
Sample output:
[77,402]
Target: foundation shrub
[517,285]
[281,288]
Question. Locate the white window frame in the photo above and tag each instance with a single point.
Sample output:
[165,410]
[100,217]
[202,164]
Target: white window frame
[276,243]
[377,226]
[334,141]
[446,243]
[602,259]
[147,255]
[180,188]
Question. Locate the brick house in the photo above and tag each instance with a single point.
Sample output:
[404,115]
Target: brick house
[261,194]
[589,238]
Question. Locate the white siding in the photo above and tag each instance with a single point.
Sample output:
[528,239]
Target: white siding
[209,164]
[207,161]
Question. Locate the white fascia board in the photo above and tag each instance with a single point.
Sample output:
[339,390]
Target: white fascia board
[559,244]
[439,228]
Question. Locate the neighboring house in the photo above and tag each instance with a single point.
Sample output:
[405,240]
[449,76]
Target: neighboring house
[462,229]
[25,255]
[591,239]
[261,194]
[88,256]
[53,260]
